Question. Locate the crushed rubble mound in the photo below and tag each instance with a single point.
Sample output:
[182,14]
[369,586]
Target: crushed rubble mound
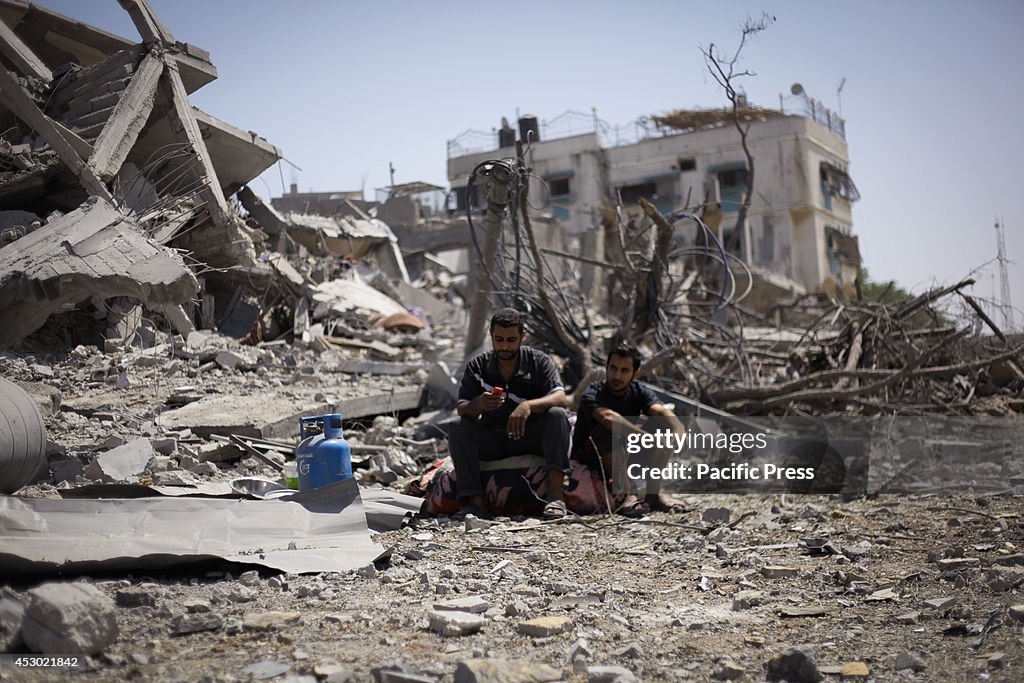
[169,328]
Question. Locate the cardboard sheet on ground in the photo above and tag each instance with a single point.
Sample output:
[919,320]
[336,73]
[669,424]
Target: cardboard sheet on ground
[327,527]
[385,510]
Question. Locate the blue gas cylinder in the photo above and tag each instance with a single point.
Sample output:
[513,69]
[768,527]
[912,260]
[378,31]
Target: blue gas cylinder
[322,458]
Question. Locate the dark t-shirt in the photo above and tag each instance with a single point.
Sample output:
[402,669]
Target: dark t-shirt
[637,400]
[535,377]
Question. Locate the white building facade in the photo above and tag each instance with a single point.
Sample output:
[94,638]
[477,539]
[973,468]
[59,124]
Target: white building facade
[800,219]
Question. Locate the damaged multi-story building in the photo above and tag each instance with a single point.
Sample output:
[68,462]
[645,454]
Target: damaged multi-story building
[799,224]
[111,182]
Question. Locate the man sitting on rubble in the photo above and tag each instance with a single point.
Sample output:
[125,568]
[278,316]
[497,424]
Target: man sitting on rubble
[604,410]
[512,402]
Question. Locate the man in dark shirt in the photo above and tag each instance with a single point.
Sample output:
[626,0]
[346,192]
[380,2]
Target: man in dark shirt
[512,402]
[604,408]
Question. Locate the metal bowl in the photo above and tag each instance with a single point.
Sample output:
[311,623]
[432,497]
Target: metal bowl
[257,487]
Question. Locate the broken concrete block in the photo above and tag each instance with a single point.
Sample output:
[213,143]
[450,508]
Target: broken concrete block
[717,515]
[455,623]
[854,670]
[473,605]
[941,604]
[11,613]
[747,599]
[94,250]
[544,626]
[727,670]
[779,572]
[908,660]
[229,360]
[62,618]
[504,671]
[796,664]
[121,463]
[268,621]
[1003,579]
[184,624]
[610,674]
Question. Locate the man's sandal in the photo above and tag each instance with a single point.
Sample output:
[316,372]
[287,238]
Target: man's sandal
[657,505]
[634,509]
[555,509]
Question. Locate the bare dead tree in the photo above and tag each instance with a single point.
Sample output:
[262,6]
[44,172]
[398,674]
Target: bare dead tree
[726,72]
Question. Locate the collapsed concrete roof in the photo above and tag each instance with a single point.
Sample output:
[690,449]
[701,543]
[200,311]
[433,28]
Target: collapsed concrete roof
[104,116]
[92,251]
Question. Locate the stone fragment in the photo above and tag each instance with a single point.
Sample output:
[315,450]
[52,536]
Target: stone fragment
[1003,579]
[543,626]
[747,599]
[996,660]
[183,624]
[504,671]
[196,606]
[717,515]
[12,610]
[958,563]
[267,621]
[779,572]
[796,664]
[854,670]
[334,673]
[580,650]
[121,463]
[449,623]
[630,651]
[265,670]
[134,597]
[517,608]
[1017,612]
[727,670]
[908,618]
[940,604]
[610,674]
[472,604]
[228,360]
[68,618]
[883,594]
[908,660]
[384,676]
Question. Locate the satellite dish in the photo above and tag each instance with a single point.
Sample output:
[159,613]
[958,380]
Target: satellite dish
[796,89]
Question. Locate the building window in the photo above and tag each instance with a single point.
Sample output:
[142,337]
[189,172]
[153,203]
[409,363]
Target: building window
[826,193]
[732,185]
[838,183]
[560,186]
[687,165]
[457,199]
[632,194]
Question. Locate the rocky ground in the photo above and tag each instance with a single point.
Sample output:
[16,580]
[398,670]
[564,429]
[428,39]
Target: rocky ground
[925,587]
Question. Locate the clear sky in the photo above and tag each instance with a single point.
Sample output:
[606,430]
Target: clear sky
[933,94]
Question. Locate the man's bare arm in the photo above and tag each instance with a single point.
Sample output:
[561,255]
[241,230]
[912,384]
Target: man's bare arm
[483,403]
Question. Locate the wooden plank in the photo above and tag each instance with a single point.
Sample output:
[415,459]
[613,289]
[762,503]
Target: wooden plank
[128,119]
[18,101]
[21,54]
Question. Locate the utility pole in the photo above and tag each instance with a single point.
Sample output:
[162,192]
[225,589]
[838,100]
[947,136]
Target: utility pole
[391,172]
[1004,278]
[498,175]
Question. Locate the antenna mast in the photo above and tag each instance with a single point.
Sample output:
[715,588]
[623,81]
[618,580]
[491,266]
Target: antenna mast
[1004,278]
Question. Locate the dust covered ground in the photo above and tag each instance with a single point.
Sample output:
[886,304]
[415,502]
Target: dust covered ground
[660,597]
[894,587]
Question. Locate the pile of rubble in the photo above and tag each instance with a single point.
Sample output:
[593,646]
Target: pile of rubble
[172,328]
